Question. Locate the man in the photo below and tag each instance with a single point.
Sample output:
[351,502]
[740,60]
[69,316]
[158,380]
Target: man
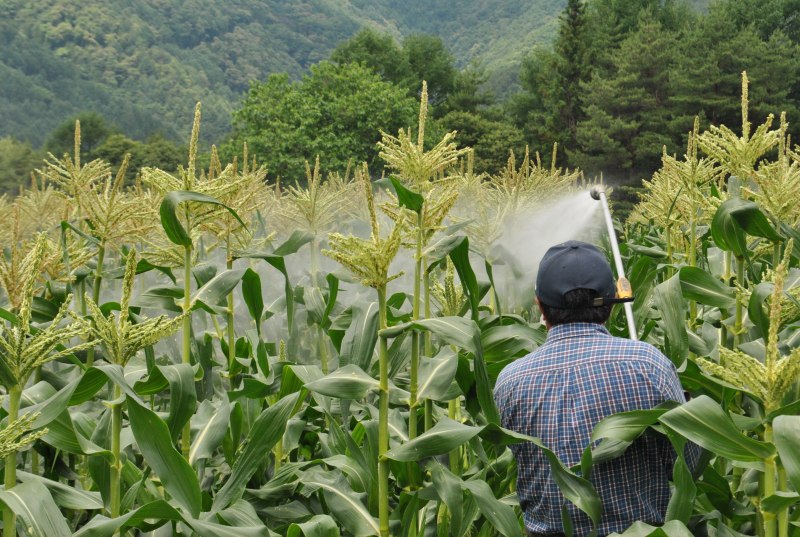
[580,375]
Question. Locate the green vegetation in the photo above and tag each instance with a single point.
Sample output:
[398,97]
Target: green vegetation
[623,81]
[143,65]
[337,111]
[343,398]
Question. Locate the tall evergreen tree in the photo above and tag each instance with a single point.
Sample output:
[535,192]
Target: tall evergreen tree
[572,66]
[550,106]
[711,58]
[624,133]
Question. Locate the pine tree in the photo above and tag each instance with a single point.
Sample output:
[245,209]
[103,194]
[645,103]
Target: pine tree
[572,65]
[627,111]
[550,106]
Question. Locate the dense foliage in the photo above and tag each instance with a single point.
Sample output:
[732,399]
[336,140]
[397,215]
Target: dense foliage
[316,397]
[624,80]
[142,64]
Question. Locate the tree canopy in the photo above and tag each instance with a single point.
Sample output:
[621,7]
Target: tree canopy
[336,111]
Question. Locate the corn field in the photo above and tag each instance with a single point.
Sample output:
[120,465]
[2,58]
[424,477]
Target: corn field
[211,353]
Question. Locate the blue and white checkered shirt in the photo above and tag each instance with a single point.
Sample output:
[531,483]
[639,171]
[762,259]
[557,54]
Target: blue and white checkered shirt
[558,393]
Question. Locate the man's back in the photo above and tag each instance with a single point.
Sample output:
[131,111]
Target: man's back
[559,393]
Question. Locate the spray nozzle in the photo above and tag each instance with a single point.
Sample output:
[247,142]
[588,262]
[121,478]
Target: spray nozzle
[596,191]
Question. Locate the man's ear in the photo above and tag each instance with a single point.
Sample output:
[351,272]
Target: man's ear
[546,322]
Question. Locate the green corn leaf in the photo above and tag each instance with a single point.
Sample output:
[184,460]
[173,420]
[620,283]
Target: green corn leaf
[779,501]
[627,426]
[681,503]
[217,289]
[170,209]
[204,528]
[160,298]
[407,198]
[490,275]
[576,489]
[241,514]
[182,395]
[315,304]
[203,273]
[343,502]
[55,404]
[361,336]
[212,426]
[436,253]
[253,297]
[32,503]
[61,434]
[100,526]
[786,435]
[717,489]
[155,442]
[296,240]
[726,231]
[702,287]
[462,333]
[465,334]
[507,341]
[358,475]
[316,526]
[67,226]
[348,382]
[333,292]
[65,496]
[752,219]
[755,307]
[500,515]
[443,437]
[267,429]
[620,430]
[649,251]
[673,528]
[703,421]
[460,257]
[278,263]
[435,377]
[670,303]
[448,487]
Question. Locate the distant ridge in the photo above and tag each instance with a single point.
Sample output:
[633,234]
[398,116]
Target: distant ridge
[143,64]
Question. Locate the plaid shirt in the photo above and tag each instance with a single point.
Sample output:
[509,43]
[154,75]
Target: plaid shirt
[558,393]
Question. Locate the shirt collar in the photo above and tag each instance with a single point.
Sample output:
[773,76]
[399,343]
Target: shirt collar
[573,330]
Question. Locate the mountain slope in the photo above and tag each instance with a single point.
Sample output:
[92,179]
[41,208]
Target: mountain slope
[144,64]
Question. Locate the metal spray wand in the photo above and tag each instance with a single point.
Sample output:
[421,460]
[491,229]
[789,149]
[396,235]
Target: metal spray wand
[598,192]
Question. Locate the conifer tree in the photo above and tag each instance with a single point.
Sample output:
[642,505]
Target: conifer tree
[627,110]
[551,105]
[572,65]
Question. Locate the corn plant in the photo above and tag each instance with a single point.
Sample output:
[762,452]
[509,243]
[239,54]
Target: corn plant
[290,403]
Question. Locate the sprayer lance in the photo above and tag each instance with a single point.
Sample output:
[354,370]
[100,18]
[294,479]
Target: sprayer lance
[624,291]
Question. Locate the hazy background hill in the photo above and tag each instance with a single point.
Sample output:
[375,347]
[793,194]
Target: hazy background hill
[143,64]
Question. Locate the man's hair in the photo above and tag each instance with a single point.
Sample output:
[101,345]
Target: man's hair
[579,310]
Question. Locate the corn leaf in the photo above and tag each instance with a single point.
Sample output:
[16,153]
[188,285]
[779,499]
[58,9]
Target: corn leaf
[31,501]
[348,382]
[702,287]
[265,432]
[703,421]
[316,526]
[786,435]
[155,442]
[169,211]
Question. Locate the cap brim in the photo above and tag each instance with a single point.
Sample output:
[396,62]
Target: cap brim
[600,301]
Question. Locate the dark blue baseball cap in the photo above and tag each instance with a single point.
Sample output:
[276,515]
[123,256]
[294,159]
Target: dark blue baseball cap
[575,265]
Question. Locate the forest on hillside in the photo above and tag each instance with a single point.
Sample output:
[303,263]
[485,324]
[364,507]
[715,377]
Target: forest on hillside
[621,83]
[144,64]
